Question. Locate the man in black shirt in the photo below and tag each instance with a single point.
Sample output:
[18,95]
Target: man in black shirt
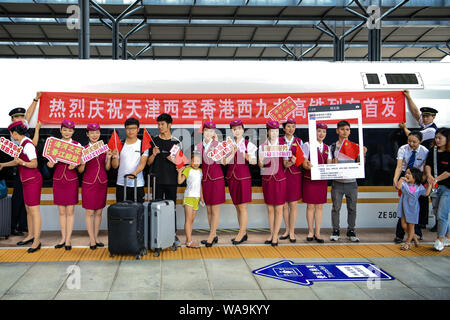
[163,166]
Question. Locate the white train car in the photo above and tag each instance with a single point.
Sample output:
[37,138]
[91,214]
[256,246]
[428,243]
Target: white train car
[377,199]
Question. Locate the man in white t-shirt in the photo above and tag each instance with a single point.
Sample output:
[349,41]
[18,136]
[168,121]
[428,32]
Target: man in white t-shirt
[130,161]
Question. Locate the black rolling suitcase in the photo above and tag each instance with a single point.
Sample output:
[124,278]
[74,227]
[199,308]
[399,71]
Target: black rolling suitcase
[126,225]
[5,217]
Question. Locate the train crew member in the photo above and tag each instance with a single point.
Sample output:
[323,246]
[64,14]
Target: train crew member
[425,119]
[410,155]
[339,187]
[239,178]
[315,191]
[193,195]
[441,175]
[408,206]
[65,188]
[95,186]
[213,181]
[18,211]
[31,179]
[273,182]
[294,180]
[163,165]
[130,161]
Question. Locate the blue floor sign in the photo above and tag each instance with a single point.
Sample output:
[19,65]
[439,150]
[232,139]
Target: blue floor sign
[307,273]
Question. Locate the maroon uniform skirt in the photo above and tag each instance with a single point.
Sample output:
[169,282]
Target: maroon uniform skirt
[240,190]
[314,191]
[32,191]
[65,193]
[294,181]
[214,191]
[274,192]
[93,195]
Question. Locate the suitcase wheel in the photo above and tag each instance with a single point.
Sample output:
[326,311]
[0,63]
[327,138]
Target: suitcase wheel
[6,237]
[156,254]
[111,255]
[174,247]
[144,252]
[138,257]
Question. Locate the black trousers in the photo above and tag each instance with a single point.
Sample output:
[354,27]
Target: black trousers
[18,211]
[130,194]
[167,192]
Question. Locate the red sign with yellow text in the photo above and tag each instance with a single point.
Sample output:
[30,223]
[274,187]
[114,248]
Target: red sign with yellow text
[57,150]
[251,108]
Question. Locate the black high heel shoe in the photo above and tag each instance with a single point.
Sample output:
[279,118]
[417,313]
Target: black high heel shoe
[93,247]
[68,247]
[284,237]
[319,240]
[31,250]
[309,239]
[207,244]
[100,244]
[59,245]
[274,244]
[22,243]
[268,242]
[244,238]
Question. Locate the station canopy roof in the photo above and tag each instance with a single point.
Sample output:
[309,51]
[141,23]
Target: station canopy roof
[227,29]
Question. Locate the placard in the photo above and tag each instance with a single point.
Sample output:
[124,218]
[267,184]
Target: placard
[10,148]
[174,150]
[221,150]
[59,150]
[282,111]
[93,151]
[335,113]
[276,151]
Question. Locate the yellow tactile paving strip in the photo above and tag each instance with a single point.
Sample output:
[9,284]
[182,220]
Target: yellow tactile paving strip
[226,252]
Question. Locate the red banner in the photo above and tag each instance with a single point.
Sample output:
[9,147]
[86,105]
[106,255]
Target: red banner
[115,108]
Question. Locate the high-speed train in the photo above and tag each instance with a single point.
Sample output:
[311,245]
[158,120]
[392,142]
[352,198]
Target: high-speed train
[428,82]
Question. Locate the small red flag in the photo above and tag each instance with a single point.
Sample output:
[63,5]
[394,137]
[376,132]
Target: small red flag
[146,139]
[300,157]
[180,159]
[350,149]
[114,142]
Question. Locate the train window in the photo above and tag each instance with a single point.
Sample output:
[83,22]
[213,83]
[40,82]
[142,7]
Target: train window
[392,80]
[372,78]
[401,78]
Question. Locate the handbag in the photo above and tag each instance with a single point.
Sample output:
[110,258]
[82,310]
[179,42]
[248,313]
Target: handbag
[3,189]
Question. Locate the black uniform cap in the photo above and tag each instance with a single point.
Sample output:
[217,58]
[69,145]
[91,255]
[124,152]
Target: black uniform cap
[17,112]
[428,111]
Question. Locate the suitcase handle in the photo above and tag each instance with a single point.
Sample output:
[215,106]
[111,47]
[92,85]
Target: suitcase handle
[149,177]
[125,177]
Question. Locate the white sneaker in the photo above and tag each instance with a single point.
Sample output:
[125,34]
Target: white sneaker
[438,245]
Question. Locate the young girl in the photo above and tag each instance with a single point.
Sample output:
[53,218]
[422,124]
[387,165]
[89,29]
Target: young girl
[65,188]
[315,191]
[412,154]
[239,178]
[273,182]
[293,180]
[192,195]
[408,207]
[95,186]
[31,179]
[441,199]
[213,182]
